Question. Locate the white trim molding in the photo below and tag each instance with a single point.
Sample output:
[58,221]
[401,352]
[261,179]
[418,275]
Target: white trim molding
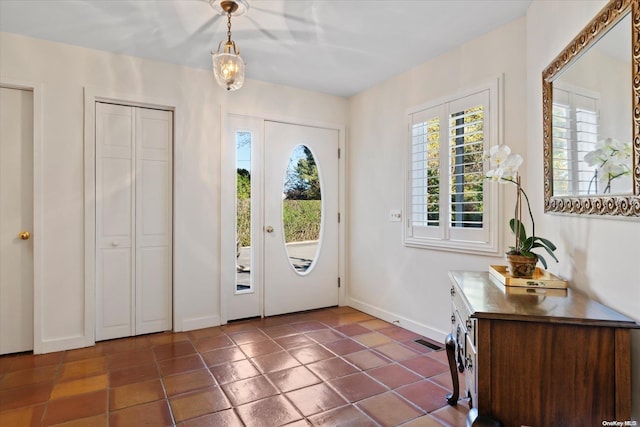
[91,96]
[200,322]
[438,233]
[399,320]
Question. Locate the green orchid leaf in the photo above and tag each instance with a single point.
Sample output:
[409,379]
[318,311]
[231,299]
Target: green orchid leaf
[517,228]
[528,243]
[547,243]
[528,254]
[549,250]
[543,261]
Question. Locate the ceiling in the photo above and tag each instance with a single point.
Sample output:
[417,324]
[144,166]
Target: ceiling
[330,46]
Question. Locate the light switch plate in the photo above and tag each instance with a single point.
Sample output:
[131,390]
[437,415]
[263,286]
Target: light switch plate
[395,215]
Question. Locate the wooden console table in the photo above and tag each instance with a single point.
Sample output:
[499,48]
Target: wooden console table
[537,357]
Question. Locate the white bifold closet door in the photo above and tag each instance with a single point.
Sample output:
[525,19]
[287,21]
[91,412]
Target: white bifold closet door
[133,220]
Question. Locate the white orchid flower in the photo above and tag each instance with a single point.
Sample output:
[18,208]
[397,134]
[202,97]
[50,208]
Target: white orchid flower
[511,165]
[611,159]
[615,144]
[504,165]
[498,154]
[495,174]
[620,156]
[595,157]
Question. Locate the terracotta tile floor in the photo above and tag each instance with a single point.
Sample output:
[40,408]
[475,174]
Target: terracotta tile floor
[329,367]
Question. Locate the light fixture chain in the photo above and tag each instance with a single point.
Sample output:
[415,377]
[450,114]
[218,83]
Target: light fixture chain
[228,66]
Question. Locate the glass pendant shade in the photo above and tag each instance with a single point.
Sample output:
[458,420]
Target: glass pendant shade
[228,68]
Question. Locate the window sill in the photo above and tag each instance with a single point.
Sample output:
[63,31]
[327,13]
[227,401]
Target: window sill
[453,246]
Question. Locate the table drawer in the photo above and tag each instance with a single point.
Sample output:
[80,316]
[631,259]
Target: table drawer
[470,371]
[460,305]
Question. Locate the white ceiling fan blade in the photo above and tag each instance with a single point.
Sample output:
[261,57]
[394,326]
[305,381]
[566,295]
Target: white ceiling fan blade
[285,14]
[204,27]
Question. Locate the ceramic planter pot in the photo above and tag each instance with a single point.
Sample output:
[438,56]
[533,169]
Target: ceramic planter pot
[521,266]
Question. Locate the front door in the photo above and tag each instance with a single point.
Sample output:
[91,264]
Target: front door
[16,220]
[300,228]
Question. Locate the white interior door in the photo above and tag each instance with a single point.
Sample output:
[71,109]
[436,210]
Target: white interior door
[16,219]
[301,274]
[133,220]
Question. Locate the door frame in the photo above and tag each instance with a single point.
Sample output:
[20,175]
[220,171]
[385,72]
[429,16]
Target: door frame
[227,216]
[36,93]
[91,96]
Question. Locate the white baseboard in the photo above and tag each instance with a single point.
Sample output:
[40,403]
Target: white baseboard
[399,320]
[68,343]
[200,322]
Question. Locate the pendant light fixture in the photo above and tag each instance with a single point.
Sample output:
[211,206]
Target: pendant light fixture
[228,66]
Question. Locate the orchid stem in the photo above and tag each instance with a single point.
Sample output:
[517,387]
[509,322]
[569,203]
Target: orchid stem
[518,215]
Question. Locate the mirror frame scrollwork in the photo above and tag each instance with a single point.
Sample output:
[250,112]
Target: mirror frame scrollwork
[627,205]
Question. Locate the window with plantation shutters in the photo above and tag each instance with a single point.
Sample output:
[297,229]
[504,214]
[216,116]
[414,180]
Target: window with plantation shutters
[575,133]
[449,205]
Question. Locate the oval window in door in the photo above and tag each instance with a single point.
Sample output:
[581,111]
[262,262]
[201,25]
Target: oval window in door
[302,209]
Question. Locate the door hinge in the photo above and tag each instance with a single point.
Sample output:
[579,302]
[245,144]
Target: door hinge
[338,217]
[339,152]
[338,282]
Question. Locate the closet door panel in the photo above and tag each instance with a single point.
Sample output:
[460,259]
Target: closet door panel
[114,221]
[154,302]
[155,215]
[115,198]
[154,135]
[116,296]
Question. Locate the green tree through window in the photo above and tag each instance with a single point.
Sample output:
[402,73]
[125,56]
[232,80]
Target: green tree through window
[467,140]
[303,182]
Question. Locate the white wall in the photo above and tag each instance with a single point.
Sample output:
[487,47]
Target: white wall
[615,118]
[599,256]
[385,277]
[63,71]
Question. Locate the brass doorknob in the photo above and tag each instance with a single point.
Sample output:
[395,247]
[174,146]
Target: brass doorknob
[268,229]
[24,235]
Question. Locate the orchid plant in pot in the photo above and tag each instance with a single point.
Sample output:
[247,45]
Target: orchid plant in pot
[611,160]
[521,257]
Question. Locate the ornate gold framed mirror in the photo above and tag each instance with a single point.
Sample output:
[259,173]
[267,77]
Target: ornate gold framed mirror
[591,117]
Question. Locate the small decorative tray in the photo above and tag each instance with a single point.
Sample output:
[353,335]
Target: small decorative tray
[532,290]
[540,279]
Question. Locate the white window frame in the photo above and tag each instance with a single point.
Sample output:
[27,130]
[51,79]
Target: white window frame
[484,239]
[579,173]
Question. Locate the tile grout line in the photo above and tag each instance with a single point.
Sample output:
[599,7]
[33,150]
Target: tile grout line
[219,385]
[164,388]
